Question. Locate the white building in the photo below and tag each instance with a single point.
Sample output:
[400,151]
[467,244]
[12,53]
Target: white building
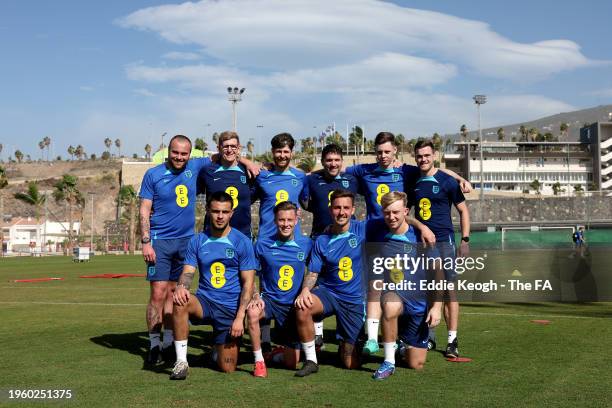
[28,234]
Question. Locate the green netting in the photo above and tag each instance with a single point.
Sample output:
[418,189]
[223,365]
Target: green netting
[542,239]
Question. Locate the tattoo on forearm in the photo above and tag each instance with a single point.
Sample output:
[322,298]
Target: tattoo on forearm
[145,226]
[153,316]
[310,280]
[347,350]
[229,360]
[186,279]
[245,297]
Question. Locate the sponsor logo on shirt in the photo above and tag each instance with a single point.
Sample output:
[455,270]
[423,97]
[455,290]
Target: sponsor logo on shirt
[300,256]
[395,177]
[345,183]
[188,173]
[243,179]
[229,252]
[353,242]
[435,189]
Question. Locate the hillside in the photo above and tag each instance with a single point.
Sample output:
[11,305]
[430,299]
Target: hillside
[575,120]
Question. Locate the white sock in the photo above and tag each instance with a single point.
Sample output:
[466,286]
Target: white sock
[310,353]
[181,350]
[452,335]
[372,325]
[265,333]
[389,352]
[258,355]
[318,328]
[154,338]
[168,338]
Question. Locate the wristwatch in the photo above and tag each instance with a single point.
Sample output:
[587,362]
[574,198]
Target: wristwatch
[145,240]
[465,239]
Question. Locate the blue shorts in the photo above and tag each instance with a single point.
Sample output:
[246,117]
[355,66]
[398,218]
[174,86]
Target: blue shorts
[169,259]
[219,317]
[284,318]
[447,252]
[350,317]
[413,328]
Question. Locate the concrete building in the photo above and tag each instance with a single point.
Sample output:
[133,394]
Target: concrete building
[513,166]
[28,234]
[598,137]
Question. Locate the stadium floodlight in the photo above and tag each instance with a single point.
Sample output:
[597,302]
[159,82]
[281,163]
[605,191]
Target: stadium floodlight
[480,100]
[234,96]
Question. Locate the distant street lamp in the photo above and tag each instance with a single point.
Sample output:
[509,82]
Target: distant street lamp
[480,100]
[259,139]
[91,245]
[234,95]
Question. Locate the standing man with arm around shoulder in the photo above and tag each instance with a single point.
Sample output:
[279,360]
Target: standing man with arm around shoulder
[433,195]
[167,222]
[226,262]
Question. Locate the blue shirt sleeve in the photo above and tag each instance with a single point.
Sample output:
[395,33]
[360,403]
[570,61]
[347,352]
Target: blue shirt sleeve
[247,256]
[305,193]
[455,193]
[356,170]
[410,173]
[201,162]
[146,187]
[191,254]
[316,257]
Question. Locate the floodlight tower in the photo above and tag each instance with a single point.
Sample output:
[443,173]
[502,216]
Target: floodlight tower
[234,95]
[480,100]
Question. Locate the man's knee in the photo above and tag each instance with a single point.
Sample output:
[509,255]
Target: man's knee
[253,316]
[303,315]
[159,293]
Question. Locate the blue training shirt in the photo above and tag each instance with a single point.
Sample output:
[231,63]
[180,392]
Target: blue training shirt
[282,267]
[375,182]
[173,194]
[433,197]
[273,188]
[220,261]
[338,259]
[234,181]
[318,191]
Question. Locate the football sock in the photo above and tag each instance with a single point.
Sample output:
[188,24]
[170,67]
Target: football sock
[154,338]
[318,328]
[373,329]
[265,333]
[258,355]
[390,352]
[181,350]
[452,335]
[310,353]
[168,338]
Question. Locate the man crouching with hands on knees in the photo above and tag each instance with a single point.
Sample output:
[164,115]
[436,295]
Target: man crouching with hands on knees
[226,261]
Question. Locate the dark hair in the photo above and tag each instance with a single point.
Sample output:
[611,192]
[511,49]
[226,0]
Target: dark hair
[219,196]
[285,206]
[331,148]
[181,138]
[340,193]
[384,137]
[424,143]
[281,140]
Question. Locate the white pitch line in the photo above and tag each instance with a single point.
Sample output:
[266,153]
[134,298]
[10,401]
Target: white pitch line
[71,287]
[534,315]
[74,303]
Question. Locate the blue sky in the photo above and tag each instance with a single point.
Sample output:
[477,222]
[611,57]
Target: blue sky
[82,71]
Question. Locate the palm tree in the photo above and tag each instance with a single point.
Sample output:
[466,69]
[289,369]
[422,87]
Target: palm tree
[33,198]
[71,151]
[118,144]
[463,130]
[501,134]
[410,146]
[557,188]
[250,148]
[148,150]
[215,138]
[66,190]
[536,185]
[47,142]
[18,156]
[41,146]
[533,134]
[108,143]
[336,138]
[437,141]
[199,144]
[79,152]
[128,199]
[523,131]
[307,164]
[400,141]
[564,128]
[1,147]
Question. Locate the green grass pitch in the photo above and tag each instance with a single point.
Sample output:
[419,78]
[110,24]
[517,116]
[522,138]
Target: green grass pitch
[89,336]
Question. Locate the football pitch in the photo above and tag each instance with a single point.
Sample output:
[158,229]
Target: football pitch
[89,336]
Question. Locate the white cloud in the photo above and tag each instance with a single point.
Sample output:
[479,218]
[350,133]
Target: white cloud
[183,56]
[604,92]
[144,92]
[281,35]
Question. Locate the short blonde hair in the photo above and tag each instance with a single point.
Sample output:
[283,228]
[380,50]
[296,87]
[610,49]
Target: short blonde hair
[392,197]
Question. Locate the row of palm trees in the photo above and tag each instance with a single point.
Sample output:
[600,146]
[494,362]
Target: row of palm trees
[527,135]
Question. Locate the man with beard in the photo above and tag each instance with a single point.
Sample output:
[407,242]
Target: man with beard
[167,217]
[226,263]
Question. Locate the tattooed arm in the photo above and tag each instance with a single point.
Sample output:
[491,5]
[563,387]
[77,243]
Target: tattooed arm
[247,280]
[304,300]
[145,229]
[181,294]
